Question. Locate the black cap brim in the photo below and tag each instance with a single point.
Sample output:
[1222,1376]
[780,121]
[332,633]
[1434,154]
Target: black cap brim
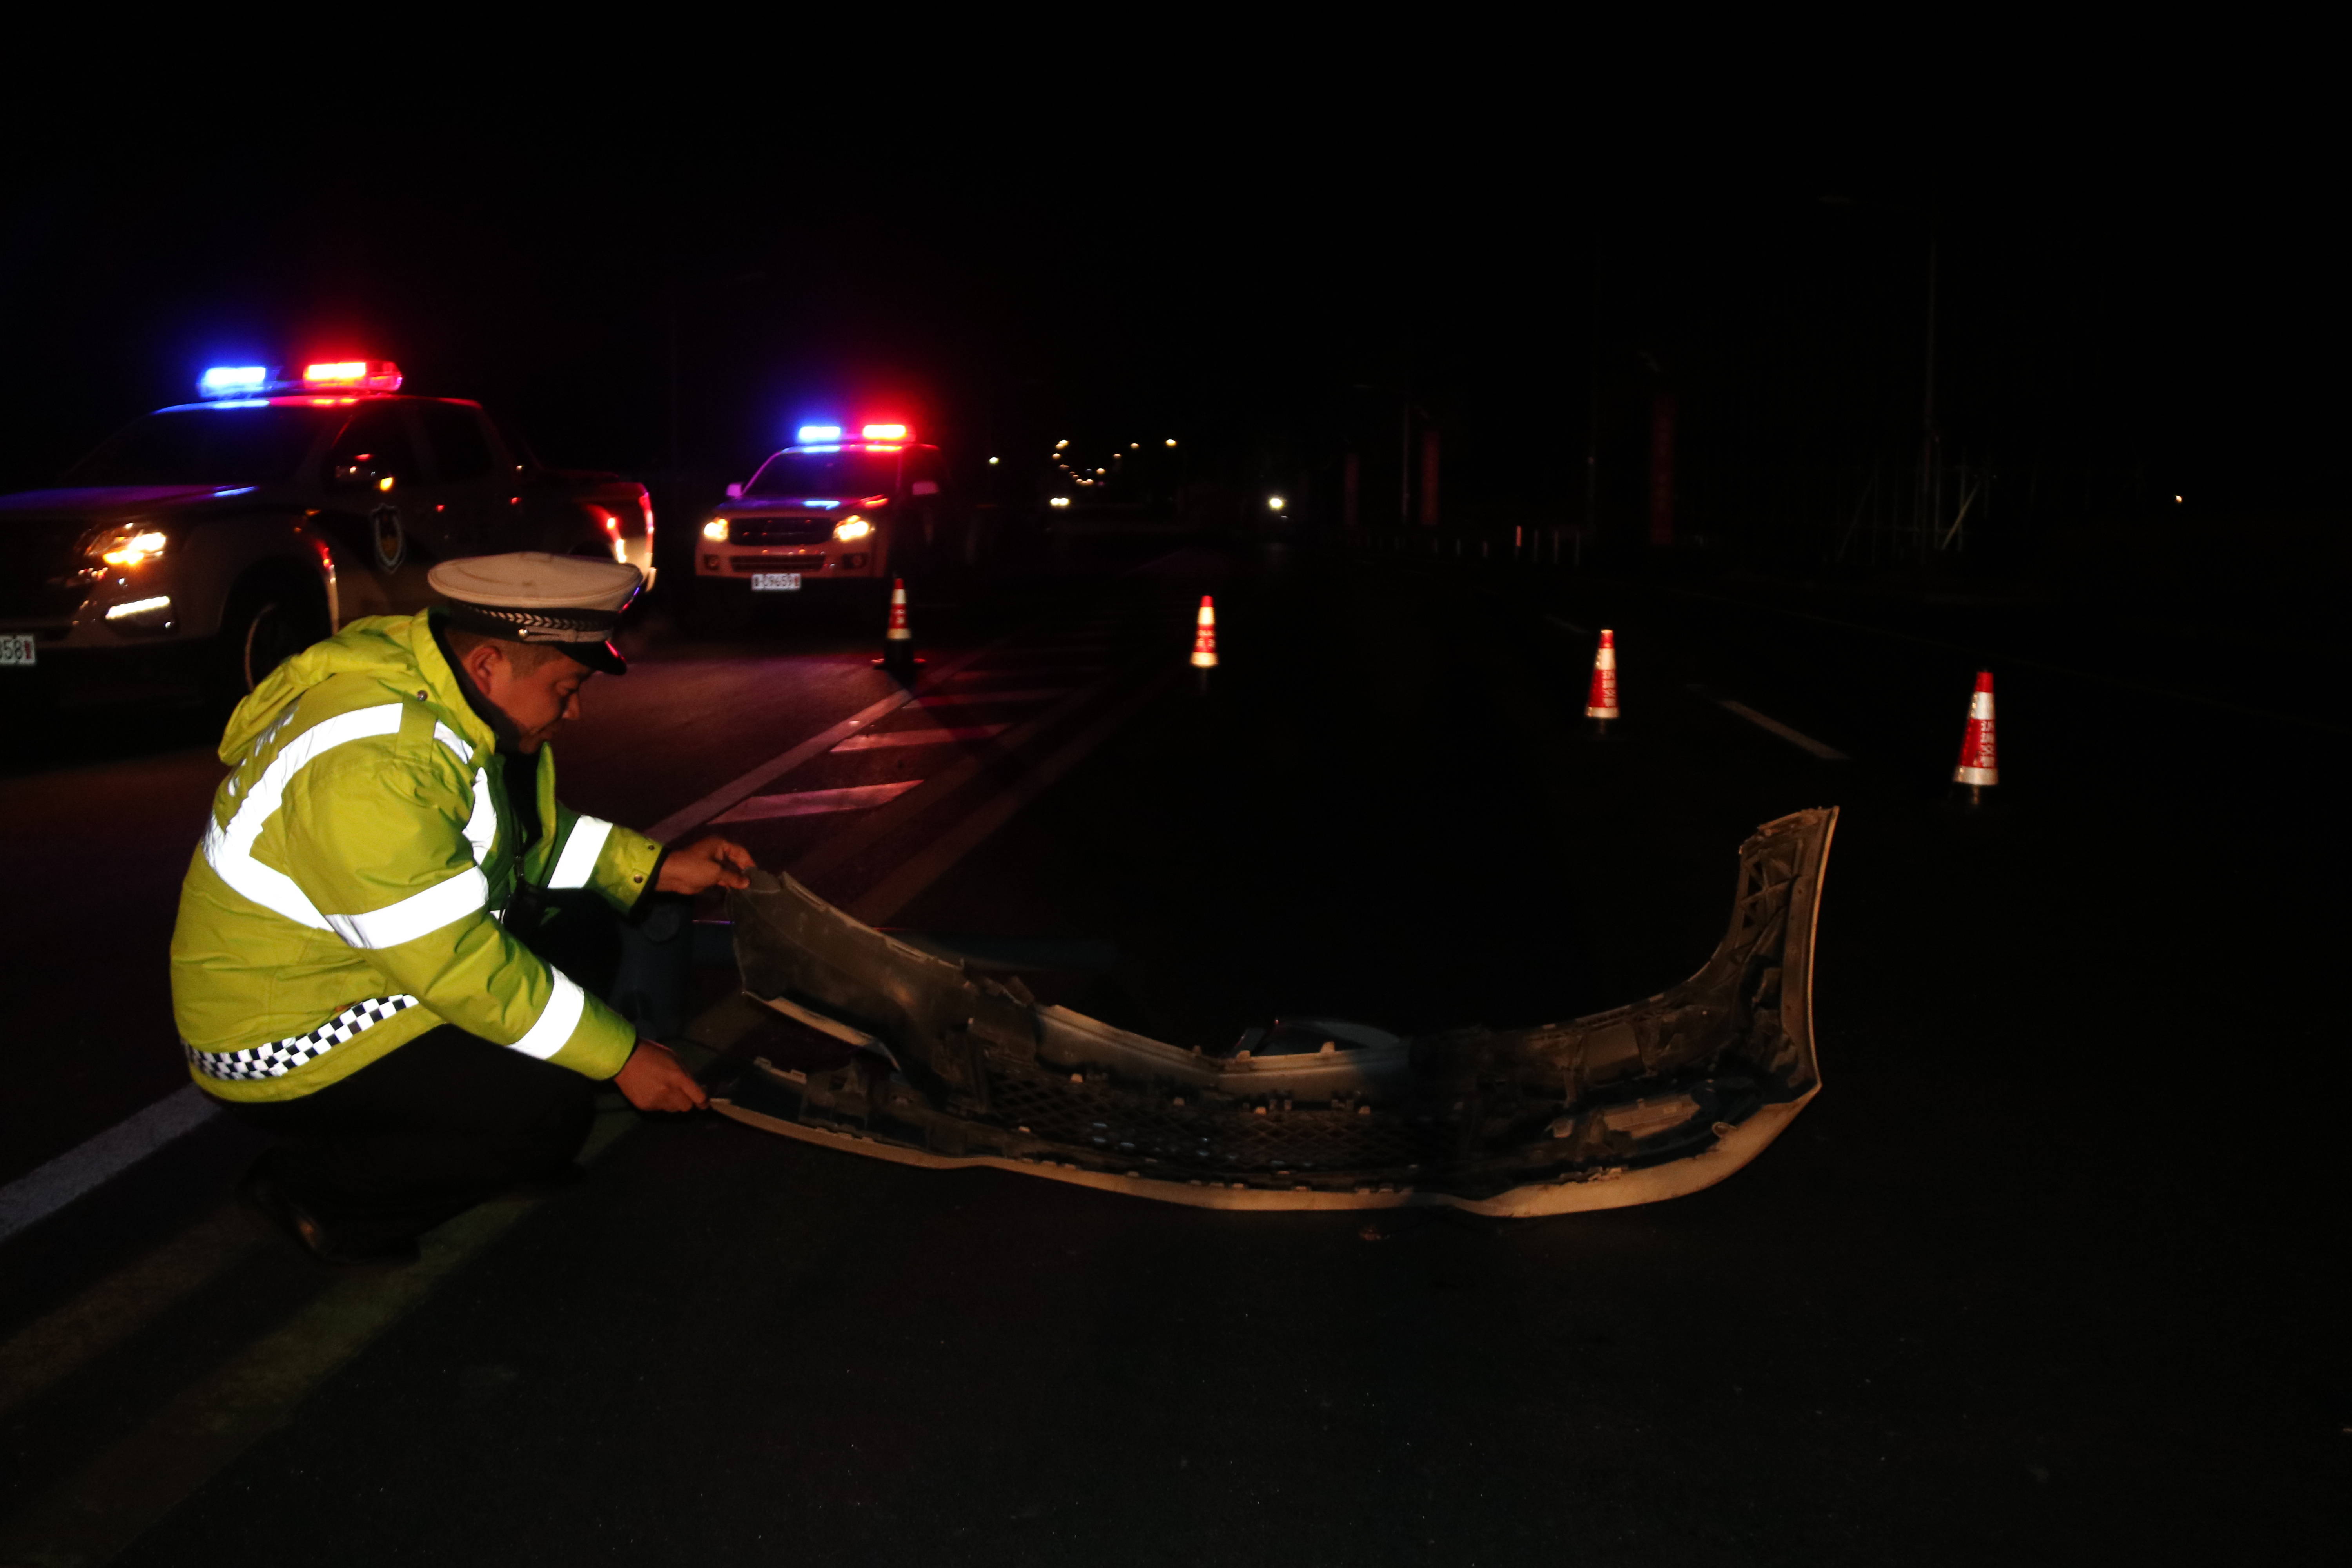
[600,656]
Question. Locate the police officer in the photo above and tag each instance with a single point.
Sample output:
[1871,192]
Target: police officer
[353,967]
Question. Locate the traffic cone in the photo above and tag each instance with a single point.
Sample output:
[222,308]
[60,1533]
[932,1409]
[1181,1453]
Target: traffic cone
[1601,702]
[1980,760]
[1204,639]
[899,641]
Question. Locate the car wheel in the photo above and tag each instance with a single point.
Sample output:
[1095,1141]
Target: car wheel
[266,624]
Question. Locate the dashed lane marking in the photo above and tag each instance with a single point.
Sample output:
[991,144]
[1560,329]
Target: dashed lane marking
[1770,725]
[1030,694]
[1977,658]
[199,1432]
[932,735]
[815,802]
[900,888]
[1059,670]
[53,1346]
[38,1194]
[839,848]
[816,745]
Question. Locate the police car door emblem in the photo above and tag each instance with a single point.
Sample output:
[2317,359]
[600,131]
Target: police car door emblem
[389,538]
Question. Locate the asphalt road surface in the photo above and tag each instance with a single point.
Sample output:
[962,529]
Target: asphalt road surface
[2041,1276]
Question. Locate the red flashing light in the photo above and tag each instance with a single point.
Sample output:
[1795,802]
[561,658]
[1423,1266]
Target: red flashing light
[371,375]
[884,432]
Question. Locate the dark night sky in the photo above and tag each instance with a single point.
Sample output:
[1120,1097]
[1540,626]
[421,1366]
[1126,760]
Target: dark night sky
[995,285]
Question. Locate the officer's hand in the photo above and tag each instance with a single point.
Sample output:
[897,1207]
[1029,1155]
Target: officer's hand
[705,863]
[653,1079]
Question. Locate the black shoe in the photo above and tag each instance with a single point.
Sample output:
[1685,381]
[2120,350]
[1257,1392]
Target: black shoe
[262,1193]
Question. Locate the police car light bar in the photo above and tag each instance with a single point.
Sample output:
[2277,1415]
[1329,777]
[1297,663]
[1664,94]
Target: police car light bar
[355,375]
[820,433]
[885,433]
[233,380]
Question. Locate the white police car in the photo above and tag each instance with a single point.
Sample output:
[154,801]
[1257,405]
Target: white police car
[833,508]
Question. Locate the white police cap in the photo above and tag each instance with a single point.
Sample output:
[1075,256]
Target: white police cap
[571,602]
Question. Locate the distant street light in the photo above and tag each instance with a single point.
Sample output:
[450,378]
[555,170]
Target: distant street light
[1172,443]
[1273,503]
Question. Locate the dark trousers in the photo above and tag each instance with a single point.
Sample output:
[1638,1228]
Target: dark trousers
[448,1120]
[422,1135]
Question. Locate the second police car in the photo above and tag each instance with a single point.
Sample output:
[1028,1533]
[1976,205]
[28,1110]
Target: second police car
[832,508]
[217,537]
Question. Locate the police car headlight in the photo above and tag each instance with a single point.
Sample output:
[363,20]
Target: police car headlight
[850,527]
[131,544]
[716,529]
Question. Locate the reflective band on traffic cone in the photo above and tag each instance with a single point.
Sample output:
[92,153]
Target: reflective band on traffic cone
[1204,636]
[1980,762]
[1601,701]
[899,641]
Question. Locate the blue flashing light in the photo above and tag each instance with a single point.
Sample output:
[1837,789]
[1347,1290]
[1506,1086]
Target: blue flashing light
[820,433]
[821,505]
[235,402]
[816,449]
[227,380]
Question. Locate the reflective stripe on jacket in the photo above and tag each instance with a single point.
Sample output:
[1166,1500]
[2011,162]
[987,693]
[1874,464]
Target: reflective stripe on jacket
[346,896]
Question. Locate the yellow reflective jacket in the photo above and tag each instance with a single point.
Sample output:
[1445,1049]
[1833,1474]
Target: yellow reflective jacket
[346,896]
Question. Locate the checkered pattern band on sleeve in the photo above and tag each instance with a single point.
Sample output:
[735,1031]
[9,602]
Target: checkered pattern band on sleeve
[280,1057]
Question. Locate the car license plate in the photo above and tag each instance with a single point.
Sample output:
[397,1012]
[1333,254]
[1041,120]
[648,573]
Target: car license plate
[16,648]
[775,582]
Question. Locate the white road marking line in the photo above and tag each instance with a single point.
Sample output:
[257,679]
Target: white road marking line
[854,839]
[1765,722]
[816,802]
[1031,694]
[1057,671]
[767,772]
[898,890]
[931,735]
[109,1311]
[1569,626]
[33,1197]
[1979,659]
[92,1514]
